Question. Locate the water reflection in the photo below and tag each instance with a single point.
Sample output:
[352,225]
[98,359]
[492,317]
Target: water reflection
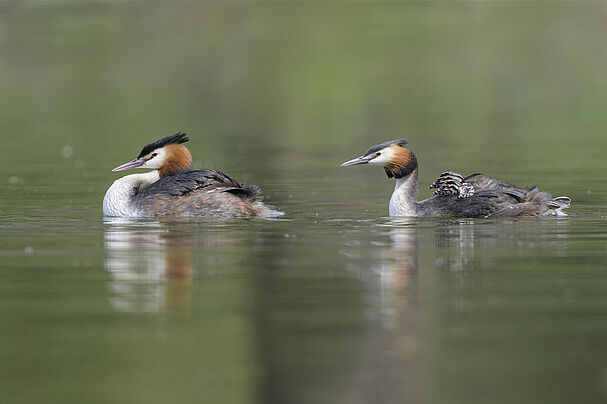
[399,287]
[391,273]
[150,265]
[385,257]
[392,263]
[456,244]
[362,321]
[480,244]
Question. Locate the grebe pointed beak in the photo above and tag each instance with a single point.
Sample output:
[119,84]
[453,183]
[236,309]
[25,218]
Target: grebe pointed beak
[356,161]
[131,164]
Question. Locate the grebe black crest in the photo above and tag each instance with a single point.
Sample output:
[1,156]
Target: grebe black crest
[172,188]
[476,195]
[177,138]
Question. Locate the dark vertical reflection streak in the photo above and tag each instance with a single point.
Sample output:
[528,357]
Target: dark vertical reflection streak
[343,330]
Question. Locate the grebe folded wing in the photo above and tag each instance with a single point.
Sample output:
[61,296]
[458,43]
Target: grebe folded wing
[183,183]
[481,181]
[206,193]
[484,203]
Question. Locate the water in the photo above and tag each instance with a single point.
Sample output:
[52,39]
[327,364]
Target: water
[309,308]
[333,302]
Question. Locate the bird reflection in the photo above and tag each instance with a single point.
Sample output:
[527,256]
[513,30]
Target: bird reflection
[455,242]
[389,269]
[484,244]
[402,271]
[150,265]
[391,263]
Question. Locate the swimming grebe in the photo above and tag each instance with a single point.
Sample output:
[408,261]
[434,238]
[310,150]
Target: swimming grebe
[489,197]
[172,188]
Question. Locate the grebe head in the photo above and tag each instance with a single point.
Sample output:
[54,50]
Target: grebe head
[167,155]
[394,156]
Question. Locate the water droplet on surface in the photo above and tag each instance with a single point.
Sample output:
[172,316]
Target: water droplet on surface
[67,151]
[13,180]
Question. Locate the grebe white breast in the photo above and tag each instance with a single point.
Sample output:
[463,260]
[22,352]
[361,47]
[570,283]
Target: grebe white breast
[473,196]
[172,188]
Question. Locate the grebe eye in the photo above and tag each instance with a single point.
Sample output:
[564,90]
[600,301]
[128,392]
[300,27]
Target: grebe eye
[378,154]
[154,154]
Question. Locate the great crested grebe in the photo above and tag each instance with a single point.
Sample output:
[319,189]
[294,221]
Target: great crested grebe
[482,196]
[172,188]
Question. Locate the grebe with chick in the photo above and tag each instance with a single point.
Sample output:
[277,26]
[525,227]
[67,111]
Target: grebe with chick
[172,188]
[476,195]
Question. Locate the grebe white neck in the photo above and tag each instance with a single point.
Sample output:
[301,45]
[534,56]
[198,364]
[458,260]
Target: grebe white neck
[118,198]
[404,198]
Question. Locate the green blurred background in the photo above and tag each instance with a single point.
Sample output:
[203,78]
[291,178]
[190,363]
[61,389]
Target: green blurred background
[517,88]
[278,94]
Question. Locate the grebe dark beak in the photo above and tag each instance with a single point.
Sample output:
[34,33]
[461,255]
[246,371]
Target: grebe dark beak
[131,164]
[357,160]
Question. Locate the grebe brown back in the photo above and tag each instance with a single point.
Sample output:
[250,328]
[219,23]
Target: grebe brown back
[452,183]
[172,188]
[489,197]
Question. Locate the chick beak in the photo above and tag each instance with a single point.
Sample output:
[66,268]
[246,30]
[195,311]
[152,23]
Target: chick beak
[131,164]
[356,161]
